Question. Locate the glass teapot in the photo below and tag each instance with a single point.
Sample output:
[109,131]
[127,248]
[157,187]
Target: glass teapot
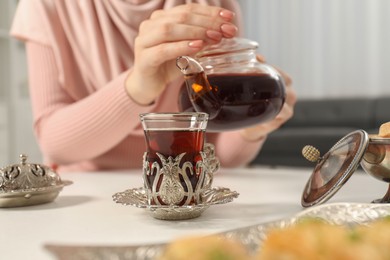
[227,81]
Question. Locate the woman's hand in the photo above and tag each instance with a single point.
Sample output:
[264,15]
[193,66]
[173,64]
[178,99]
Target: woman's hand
[167,34]
[262,130]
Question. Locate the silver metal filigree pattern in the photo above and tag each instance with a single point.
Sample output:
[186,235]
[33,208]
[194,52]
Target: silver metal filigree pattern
[211,163]
[26,176]
[172,183]
[168,192]
[27,184]
[171,191]
[138,197]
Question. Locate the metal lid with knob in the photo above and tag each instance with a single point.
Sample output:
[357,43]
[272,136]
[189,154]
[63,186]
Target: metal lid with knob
[334,168]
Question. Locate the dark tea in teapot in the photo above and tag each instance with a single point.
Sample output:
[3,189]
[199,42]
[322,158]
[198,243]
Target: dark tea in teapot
[227,82]
[238,99]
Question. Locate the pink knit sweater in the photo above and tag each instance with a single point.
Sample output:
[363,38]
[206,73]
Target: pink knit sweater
[79,54]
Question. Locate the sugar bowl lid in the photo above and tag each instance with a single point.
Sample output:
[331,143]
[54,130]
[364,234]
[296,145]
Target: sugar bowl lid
[334,168]
[27,184]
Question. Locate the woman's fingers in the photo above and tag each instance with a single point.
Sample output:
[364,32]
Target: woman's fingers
[183,30]
[167,34]
[171,33]
[168,29]
[288,107]
[287,79]
[198,9]
[158,55]
[263,129]
[198,20]
[188,22]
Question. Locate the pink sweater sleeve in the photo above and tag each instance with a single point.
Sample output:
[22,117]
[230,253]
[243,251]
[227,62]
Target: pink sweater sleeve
[70,131]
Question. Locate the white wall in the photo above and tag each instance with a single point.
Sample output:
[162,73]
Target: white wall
[331,48]
[16,134]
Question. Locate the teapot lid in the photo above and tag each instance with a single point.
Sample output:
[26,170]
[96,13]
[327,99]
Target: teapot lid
[334,168]
[228,45]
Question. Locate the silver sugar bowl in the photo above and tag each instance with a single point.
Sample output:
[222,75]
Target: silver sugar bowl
[27,184]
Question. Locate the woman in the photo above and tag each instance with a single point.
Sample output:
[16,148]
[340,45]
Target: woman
[95,65]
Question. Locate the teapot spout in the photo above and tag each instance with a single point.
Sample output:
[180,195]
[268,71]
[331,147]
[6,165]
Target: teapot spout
[188,65]
[202,95]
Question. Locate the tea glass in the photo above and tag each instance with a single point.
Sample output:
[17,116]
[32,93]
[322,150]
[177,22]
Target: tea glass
[175,165]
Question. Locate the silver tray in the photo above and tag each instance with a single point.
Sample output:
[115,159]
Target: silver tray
[137,197]
[252,236]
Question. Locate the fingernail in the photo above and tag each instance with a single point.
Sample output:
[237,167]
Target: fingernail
[196,44]
[214,35]
[260,58]
[229,30]
[227,14]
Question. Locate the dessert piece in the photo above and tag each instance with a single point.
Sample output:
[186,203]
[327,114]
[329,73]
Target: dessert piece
[308,239]
[205,248]
[317,239]
[384,130]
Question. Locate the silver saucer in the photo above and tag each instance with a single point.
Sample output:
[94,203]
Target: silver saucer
[137,197]
[31,196]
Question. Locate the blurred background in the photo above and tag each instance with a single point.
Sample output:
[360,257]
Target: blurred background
[331,49]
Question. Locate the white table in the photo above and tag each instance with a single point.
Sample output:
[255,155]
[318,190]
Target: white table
[85,214]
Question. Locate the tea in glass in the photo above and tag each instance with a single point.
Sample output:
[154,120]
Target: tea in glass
[173,162]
